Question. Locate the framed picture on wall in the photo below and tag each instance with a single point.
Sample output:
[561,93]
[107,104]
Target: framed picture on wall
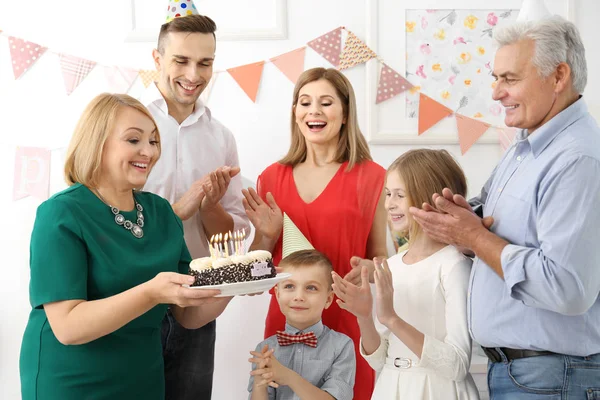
[252,20]
[447,54]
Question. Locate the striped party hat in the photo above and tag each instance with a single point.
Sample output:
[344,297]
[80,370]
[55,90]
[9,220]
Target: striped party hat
[180,8]
[293,239]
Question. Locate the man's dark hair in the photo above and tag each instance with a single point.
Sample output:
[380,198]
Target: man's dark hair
[189,24]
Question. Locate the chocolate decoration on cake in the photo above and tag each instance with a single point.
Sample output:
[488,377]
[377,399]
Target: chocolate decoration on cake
[229,262]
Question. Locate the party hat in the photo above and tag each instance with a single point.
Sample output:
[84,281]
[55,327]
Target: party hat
[533,10]
[180,8]
[293,239]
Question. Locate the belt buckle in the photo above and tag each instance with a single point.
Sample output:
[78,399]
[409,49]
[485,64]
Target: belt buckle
[401,362]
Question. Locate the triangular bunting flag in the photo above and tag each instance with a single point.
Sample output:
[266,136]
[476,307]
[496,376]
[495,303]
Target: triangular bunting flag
[506,137]
[23,54]
[293,239]
[329,46]
[391,84]
[291,63]
[248,77]
[148,76]
[74,70]
[208,89]
[120,79]
[469,131]
[430,112]
[355,52]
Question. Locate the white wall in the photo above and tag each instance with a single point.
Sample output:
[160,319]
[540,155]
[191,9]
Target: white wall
[34,111]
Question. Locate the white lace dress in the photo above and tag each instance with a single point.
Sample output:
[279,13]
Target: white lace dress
[431,295]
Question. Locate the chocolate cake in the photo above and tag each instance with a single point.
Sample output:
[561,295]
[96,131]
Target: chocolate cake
[253,266]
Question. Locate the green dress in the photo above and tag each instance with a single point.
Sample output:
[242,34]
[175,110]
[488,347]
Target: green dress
[79,252]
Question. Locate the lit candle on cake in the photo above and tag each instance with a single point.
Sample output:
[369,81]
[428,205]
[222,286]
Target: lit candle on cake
[235,240]
[210,248]
[243,241]
[226,244]
[220,243]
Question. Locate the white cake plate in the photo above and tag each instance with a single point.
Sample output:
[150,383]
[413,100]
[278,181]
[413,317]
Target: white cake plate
[240,288]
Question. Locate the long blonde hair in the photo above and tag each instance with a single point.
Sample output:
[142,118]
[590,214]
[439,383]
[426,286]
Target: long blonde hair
[425,172]
[352,146]
[84,156]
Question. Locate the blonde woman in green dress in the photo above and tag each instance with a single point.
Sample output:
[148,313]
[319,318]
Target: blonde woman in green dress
[105,261]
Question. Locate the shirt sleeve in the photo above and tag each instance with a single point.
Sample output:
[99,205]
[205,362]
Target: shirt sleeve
[340,381]
[450,358]
[562,274]
[58,256]
[232,199]
[377,359]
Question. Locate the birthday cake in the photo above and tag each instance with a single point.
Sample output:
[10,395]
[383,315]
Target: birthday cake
[229,263]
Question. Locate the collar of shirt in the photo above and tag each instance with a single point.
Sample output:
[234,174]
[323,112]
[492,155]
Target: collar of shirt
[153,96]
[544,135]
[317,328]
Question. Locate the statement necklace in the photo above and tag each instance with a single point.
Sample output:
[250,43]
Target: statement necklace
[135,228]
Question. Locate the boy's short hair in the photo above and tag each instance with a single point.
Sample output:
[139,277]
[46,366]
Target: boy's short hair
[306,258]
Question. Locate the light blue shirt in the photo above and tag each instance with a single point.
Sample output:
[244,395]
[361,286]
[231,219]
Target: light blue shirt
[544,196]
[331,366]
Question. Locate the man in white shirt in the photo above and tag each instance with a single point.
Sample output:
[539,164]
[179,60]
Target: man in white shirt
[198,172]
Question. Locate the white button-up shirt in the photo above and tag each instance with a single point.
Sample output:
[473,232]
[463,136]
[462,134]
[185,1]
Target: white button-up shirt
[190,151]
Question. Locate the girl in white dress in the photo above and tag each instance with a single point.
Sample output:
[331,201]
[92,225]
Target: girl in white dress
[421,346]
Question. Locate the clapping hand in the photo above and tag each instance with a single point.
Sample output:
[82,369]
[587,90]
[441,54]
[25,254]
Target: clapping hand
[215,185]
[269,371]
[384,292]
[352,298]
[266,217]
[357,264]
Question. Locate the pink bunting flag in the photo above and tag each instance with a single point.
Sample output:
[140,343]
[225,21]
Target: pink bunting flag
[32,173]
[23,54]
[248,77]
[74,70]
[431,112]
[329,46]
[291,63]
[391,84]
[506,137]
[469,131]
[120,79]
[355,52]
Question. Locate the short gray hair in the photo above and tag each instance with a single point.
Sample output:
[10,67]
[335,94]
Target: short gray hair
[556,40]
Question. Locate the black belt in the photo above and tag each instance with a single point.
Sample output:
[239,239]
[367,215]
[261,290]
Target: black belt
[512,354]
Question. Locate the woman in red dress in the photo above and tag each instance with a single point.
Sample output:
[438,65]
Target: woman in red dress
[331,189]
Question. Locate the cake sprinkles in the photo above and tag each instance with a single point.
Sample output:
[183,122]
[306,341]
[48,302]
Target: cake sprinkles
[229,262]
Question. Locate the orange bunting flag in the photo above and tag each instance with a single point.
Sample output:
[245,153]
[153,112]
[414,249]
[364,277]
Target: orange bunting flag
[506,137]
[23,54]
[355,52]
[248,77]
[469,131]
[291,63]
[391,84]
[148,76]
[329,46]
[431,112]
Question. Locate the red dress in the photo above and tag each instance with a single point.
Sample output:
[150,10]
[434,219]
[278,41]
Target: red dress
[337,223]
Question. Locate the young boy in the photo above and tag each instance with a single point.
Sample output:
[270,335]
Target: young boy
[308,360]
